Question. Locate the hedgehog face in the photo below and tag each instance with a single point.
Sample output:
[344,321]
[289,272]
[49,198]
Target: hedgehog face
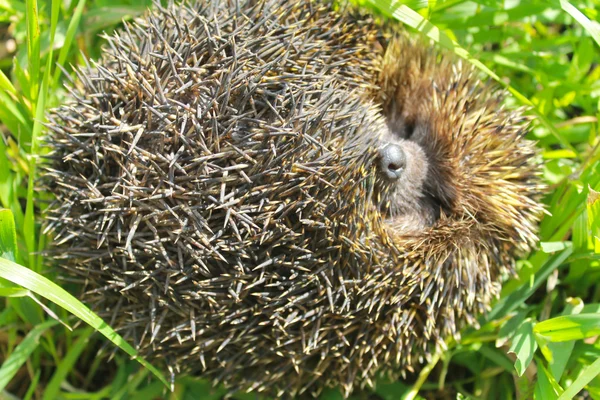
[404,170]
[437,103]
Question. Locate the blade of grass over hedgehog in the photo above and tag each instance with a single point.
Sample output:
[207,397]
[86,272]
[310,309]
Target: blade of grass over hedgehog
[48,289]
[413,19]
[8,250]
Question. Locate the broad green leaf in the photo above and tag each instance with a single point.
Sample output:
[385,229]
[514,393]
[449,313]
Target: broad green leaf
[21,353]
[546,387]
[508,329]
[553,247]
[558,353]
[569,327]
[591,308]
[523,346]
[51,291]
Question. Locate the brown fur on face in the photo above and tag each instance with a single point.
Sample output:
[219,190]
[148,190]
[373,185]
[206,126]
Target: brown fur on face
[406,97]
[411,205]
[437,102]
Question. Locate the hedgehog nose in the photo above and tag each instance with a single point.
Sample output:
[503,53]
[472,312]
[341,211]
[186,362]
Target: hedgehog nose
[392,161]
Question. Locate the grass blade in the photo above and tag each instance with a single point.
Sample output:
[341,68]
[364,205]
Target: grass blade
[13,292]
[588,374]
[40,110]
[66,365]
[51,291]
[593,213]
[8,236]
[33,386]
[18,357]
[593,28]
[33,47]
[6,84]
[518,297]
[71,31]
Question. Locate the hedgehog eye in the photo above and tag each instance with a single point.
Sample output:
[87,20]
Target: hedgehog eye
[409,130]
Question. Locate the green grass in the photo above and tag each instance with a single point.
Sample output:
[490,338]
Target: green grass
[539,340]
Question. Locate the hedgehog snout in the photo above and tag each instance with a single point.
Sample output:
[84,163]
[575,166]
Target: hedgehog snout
[392,161]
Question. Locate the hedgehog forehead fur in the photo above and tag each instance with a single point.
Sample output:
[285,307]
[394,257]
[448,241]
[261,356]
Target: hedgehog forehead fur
[220,193]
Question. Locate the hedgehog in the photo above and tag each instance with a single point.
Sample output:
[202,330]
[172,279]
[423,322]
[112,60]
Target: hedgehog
[283,196]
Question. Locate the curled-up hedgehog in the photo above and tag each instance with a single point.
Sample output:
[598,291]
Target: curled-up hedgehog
[282,198]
